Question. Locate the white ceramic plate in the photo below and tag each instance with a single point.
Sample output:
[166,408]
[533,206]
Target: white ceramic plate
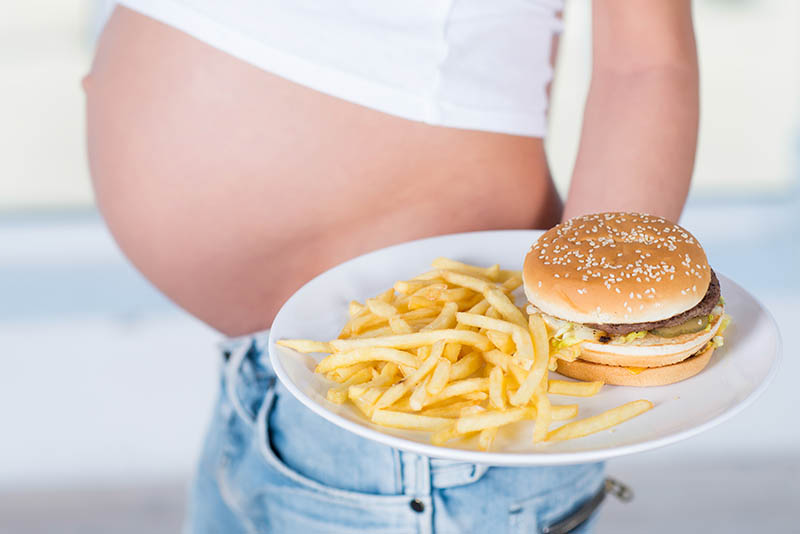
[737,374]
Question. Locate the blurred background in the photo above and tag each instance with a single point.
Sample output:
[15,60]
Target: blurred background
[106,386]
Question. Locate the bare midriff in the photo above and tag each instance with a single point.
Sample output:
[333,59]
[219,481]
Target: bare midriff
[229,187]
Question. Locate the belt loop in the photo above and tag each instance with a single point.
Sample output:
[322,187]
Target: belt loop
[416,474]
[232,368]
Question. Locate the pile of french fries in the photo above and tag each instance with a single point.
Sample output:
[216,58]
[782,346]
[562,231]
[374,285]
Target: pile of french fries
[450,353]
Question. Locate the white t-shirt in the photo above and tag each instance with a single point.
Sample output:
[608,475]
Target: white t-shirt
[473,64]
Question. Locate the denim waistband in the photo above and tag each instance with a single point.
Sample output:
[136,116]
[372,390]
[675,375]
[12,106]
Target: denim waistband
[257,340]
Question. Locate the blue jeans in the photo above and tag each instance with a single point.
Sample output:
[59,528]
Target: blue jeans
[271,465]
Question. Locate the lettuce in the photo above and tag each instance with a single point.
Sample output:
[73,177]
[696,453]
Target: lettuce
[567,339]
[627,338]
[725,321]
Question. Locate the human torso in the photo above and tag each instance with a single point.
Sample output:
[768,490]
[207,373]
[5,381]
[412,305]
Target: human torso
[230,187]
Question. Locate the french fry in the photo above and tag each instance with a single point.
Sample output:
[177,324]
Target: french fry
[512,283]
[462,387]
[492,273]
[305,345]
[363,321]
[369,396]
[538,332]
[505,274]
[544,415]
[497,393]
[338,394]
[466,366]
[381,308]
[406,370]
[409,421]
[491,313]
[451,351]
[517,373]
[366,354]
[444,435]
[420,314]
[373,332]
[417,339]
[491,418]
[431,292]
[539,369]
[468,304]
[363,406]
[360,316]
[398,325]
[486,438]
[479,307]
[367,320]
[440,376]
[390,370]
[355,308]
[471,410]
[417,399]
[445,319]
[343,373]
[409,287]
[500,302]
[574,389]
[396,392]
[361,389]
[448,410]
[603,421]
[387,296]
[472,282]
[521,336]
[456,295]
[415,303]
[501,340]
[498,358]
[562,412]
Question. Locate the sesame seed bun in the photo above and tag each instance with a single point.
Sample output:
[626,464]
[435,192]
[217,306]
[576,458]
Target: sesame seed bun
[621,376]
[614,268]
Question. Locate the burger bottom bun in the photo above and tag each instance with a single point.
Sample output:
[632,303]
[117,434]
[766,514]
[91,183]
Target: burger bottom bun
[620,376]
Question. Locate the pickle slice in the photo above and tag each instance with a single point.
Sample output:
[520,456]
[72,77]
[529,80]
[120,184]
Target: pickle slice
[692,326]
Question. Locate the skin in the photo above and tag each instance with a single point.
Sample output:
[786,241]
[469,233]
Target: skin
[639,133]
[229,187]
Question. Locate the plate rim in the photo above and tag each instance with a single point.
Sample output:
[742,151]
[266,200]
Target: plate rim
[514,458]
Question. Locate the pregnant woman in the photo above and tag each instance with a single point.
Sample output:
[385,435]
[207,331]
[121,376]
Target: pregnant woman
[240,148]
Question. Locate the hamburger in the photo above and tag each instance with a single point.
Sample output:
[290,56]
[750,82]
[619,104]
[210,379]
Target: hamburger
[628,299]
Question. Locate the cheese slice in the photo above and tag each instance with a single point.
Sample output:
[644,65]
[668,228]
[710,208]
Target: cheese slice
[636,370]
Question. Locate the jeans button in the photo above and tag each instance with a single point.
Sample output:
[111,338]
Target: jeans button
[417,506]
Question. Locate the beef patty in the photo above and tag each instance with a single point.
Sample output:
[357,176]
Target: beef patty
[704,307]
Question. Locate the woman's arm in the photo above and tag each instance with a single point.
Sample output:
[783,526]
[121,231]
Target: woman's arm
[640,123]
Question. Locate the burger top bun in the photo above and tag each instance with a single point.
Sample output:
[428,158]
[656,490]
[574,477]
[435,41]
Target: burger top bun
[613,268]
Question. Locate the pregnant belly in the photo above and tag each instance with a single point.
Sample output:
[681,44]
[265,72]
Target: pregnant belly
[229,187]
